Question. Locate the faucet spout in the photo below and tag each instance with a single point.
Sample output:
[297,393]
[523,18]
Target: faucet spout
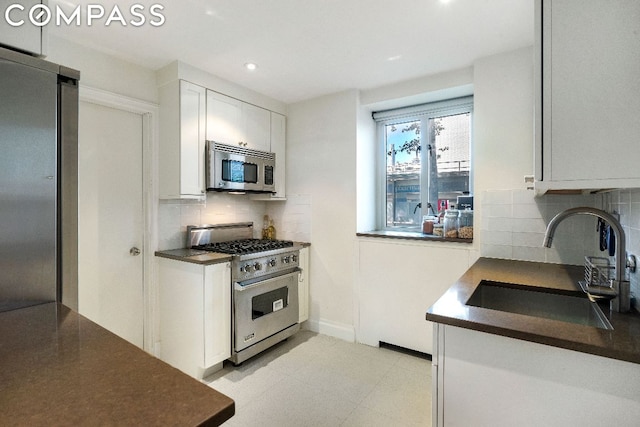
[623,300]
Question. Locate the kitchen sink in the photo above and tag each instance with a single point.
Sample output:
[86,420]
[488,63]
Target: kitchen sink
[539,302]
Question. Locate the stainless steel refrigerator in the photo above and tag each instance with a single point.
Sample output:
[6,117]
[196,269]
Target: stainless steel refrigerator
[38,182]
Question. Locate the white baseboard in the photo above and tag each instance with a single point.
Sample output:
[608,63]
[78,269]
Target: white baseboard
[332,329]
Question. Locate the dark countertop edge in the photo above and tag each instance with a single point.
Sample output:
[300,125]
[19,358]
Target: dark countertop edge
[622,343]
[410,236]
[202,259]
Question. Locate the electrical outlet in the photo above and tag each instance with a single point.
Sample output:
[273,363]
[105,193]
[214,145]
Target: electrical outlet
[529,181]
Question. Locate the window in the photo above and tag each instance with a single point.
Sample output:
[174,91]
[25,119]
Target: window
[427,161]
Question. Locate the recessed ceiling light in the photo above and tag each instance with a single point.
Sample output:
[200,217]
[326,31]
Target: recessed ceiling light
[394,58]
[250,66]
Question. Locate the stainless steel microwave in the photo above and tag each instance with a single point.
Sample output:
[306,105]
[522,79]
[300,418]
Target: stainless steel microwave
[239,169]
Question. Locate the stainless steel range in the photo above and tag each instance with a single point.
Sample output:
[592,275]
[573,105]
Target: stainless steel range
[264,280]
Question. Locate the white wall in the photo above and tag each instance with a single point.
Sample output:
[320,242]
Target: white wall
[321,162]
[393,274]
[101,71]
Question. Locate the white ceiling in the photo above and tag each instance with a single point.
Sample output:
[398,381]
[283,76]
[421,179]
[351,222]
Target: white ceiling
[307,48]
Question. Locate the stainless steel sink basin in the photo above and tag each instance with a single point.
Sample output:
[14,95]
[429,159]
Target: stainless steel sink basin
[538,302]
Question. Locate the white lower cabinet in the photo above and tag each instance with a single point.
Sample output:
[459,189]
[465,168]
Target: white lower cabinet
[482,379]
[195,315]
[303,285]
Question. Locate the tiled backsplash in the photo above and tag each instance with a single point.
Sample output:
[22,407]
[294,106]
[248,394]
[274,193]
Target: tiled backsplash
[291,218]
[513,223]
[627,204]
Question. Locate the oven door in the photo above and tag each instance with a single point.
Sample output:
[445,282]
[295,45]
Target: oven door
[263,307]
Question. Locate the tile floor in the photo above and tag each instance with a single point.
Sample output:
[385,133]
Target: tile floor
[316,380]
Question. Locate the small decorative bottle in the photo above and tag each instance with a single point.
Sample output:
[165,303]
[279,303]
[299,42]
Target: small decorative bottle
[265,227]
[271,231]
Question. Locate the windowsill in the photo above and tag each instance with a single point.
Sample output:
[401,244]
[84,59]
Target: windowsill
[410,235]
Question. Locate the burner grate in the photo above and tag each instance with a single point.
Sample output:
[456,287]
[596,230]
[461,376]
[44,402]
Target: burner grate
[244,246]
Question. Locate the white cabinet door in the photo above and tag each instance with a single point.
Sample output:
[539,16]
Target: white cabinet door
[195,315]
[224,119]
[192,138]
[26,37]
[233,122]
[181,315]
[492,380]
[217,313]
[278,146]
[589,95]
[257,127]
[182,140]
[303,285]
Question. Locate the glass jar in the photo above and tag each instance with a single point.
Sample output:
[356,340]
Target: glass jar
[427,224]
[438,230]
[465,231]
[451,224]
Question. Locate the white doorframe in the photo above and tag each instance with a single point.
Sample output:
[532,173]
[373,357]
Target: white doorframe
[149,112]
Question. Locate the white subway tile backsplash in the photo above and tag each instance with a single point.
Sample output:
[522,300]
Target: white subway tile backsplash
[513,223]
[503,238]
[537,254]
[528,210]
[525,197]
[530,225]
[497,224]
[497,211]
[532,240]
[497,251]
[497,197]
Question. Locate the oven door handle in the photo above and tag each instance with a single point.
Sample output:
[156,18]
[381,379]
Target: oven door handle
[261,281]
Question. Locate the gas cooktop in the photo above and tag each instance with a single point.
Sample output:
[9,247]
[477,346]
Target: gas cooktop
[244,246]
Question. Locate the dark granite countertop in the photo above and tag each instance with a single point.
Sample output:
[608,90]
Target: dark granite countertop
[623,342]
[59,368]
[194,256]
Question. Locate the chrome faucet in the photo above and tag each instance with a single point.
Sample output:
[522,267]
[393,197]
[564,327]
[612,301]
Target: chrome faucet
[622,301]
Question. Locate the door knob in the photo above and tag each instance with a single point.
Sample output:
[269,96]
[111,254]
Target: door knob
[134,251]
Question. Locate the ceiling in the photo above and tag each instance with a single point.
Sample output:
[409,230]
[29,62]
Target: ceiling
[308,48]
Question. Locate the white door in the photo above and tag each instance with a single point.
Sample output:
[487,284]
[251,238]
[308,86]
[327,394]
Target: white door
[111,220]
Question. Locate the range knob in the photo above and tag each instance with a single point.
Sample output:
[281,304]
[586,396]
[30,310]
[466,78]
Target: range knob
[271,263]
[247,268]
[294,258]
[257,266]
[285,259]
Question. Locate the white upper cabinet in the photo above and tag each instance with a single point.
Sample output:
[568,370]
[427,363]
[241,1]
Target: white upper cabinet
[587,94]
[182,140]
[233,122]
[277,146]
[26,37]
[257,125]
[224,118]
